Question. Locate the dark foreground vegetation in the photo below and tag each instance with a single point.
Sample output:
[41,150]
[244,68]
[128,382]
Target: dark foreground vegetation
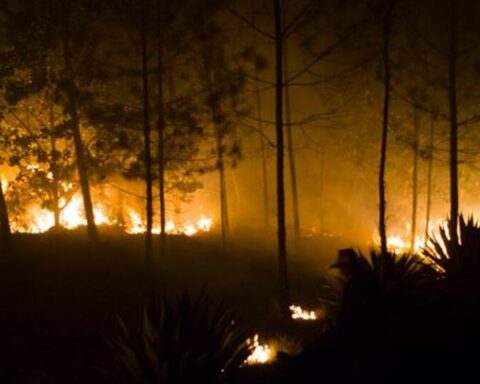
[60,299]
[71,313]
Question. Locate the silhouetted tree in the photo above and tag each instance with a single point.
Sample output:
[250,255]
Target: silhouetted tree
[452,102]
[5,231]
[146,130]
[387,21]
[72,111]
[281,227]
[430,151]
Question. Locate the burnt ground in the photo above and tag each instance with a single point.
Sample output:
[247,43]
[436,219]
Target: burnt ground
[59,297]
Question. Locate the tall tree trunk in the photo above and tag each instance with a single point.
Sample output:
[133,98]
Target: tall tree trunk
[290,151]
[5,231]
[281,227]
[416,133]
[220,144]
[170,78]
[266,199]
[263,154]
[72,111]
[386,111]
[321,192]
[223,188]
[452,93]
[161,129]
[263,148]
[146,137]
[429,178]
[54,169]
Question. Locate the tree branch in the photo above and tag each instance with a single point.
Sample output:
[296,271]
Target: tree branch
[249,23]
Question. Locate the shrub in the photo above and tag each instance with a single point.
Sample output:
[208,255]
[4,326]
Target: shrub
[189,341]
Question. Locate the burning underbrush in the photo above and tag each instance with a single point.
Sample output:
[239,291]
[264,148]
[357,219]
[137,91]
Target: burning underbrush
[36,219]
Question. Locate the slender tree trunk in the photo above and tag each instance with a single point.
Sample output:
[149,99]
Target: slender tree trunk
[223,188]
[290,151]
[161,142]
[263,149]
[146,137]
[452,93]
[386,109]
[266,199]
[416,133]
[72,110]
[321,192]
[54,169]
[429,178]
[5,231]
[172,94]
[219,137]
[281,227]
[263,154]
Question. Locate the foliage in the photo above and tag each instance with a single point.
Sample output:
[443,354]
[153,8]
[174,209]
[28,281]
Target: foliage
[459,260]
[384,312]
[185,342]
[460,266]
[381,289]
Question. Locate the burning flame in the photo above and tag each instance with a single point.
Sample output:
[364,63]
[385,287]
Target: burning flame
[72,216]
[260,353]
[298,313]
[398,243]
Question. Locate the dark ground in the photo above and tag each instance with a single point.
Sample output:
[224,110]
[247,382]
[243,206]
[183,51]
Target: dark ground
[59,297]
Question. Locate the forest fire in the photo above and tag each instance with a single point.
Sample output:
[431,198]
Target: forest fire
[398,244]
[298,313]
[260,353]
[39,220]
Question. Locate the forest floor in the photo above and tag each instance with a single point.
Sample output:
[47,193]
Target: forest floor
[59,297]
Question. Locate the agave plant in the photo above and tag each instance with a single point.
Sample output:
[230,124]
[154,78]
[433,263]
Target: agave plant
[190,341]
[381,291]
[460,261]
[386,271]
[385,300]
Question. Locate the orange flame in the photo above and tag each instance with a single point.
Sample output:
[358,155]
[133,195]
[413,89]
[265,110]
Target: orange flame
[72,216]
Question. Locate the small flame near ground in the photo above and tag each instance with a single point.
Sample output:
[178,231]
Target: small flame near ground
[298,313]
[261,353]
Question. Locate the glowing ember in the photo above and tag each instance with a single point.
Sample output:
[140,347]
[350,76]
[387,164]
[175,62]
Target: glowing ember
[397,244]
[190,230]
[170,227]
[298,313]
[204,223]
[260,353]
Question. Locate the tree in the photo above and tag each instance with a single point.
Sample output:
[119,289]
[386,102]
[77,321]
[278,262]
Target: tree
[290,150]
[416,138]
[39,147]
[55,51]
[281,227]
[5,231]
[72,111]
[222,79]
[146,132]
[161,29]
[387,20]
[431,138]
[452,102]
